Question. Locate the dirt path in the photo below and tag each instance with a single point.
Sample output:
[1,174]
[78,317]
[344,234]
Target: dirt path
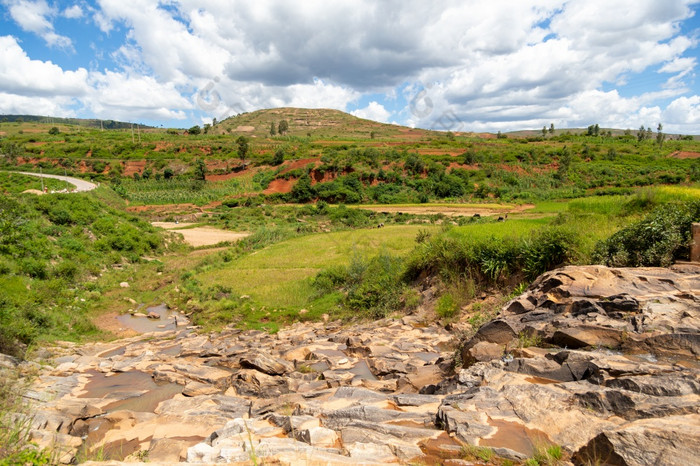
[450,211]
[80,185]
[201,236]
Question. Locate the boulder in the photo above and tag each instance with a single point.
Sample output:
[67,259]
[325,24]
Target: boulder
[265,363]
[673,440]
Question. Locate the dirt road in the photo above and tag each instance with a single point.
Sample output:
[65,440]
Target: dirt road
[80,185]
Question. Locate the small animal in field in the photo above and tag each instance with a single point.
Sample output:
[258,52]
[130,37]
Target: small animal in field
[503,218]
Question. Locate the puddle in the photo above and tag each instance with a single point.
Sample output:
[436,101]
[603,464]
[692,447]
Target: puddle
[361,371]
[171,350]
[145,325]
[653,359]
[137,389]
[440,448]
[428,358]
[540,380]
[515,436]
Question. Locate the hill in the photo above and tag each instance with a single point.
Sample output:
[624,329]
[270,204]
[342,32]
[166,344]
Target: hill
[319,123]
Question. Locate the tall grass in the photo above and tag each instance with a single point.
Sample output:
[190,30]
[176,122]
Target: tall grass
[15,424]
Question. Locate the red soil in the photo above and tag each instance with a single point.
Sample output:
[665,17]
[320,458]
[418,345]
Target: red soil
[133,166]
[685,155]
[279,185]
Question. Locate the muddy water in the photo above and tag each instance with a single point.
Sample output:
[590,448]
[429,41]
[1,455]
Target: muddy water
[515,436]
[135,391]
[145,325]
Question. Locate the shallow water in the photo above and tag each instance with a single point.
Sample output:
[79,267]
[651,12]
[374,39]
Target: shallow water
[515,436]
[137,389]
[145,325]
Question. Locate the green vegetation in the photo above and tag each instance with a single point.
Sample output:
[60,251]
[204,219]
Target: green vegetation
[14,183]
[52,249]
[656,240]
[15,425]
[600,196]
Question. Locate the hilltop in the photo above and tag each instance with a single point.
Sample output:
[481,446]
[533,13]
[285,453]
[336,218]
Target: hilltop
[320,123]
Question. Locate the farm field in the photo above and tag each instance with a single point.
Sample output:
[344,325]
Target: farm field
[301,211]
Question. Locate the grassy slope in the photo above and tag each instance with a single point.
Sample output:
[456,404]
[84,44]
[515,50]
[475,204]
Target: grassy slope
[278,276]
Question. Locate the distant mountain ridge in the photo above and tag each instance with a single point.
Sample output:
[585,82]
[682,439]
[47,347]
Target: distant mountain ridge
[88,122]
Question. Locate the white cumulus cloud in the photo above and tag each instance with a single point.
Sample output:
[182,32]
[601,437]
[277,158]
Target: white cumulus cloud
[373,111]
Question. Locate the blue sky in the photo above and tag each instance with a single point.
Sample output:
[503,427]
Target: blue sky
[452,65]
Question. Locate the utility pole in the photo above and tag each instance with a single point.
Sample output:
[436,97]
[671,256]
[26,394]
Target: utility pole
[138,128]
[42,179]
[102,128]
[132,133]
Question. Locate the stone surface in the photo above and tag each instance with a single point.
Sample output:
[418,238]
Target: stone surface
[617,371]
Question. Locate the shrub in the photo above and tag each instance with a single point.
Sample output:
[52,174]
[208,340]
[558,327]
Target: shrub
[446,306]
[371,287]
[657,240]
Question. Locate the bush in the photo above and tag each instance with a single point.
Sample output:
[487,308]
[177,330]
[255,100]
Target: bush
[657,240]
[370,287]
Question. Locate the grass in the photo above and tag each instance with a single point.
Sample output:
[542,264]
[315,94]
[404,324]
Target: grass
[16,183]
[15,425]
[279,275]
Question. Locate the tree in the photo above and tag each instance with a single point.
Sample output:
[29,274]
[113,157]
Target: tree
[200,170]
[565,159]
[544,131]
[243,147]
[283,127]
[302,191]
[194,130]
[213,122]
[660,136]
[273,129]
[551,128]
[279,157]
[641,134]
[207,127]
[54,131]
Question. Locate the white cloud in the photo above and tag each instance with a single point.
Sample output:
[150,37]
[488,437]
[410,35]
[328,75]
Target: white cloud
[33,16]
[125,97]
[73,12]
[482,65]
[25,105]
[26,77]
[373,111]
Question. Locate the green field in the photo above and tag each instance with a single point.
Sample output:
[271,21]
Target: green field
[279,275]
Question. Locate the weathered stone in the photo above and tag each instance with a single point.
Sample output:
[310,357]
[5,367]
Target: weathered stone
[318,437]
[480,352]
[196,388]
[372,452]
[673,440]
[265,363]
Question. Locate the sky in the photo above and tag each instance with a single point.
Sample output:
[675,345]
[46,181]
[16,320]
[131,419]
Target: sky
[470,65]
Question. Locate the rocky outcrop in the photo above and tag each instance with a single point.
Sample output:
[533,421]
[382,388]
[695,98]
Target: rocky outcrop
[601,362]
[618,361]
